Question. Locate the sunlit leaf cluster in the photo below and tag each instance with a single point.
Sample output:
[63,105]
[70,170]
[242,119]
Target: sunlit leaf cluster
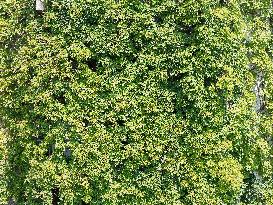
[119,102]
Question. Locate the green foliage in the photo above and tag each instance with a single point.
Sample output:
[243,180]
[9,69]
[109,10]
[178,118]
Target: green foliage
[3,185]
[136,102]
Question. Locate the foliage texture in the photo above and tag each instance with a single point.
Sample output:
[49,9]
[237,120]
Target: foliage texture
[136,102]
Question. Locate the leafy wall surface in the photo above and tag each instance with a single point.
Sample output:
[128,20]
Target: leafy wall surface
[136,102]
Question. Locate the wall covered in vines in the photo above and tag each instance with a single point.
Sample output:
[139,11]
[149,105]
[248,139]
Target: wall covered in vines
[136,102]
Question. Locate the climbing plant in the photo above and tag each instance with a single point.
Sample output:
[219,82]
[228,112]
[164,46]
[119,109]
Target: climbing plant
[136,102]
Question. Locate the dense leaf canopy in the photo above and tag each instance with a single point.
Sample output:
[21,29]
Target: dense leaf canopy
[136,102]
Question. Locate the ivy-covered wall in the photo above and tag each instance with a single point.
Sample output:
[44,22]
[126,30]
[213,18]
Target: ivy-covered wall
[136,102]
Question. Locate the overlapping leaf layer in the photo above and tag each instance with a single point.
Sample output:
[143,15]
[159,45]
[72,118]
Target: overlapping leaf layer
[136,102]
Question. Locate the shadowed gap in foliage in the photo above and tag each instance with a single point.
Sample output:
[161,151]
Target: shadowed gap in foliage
[55,196]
